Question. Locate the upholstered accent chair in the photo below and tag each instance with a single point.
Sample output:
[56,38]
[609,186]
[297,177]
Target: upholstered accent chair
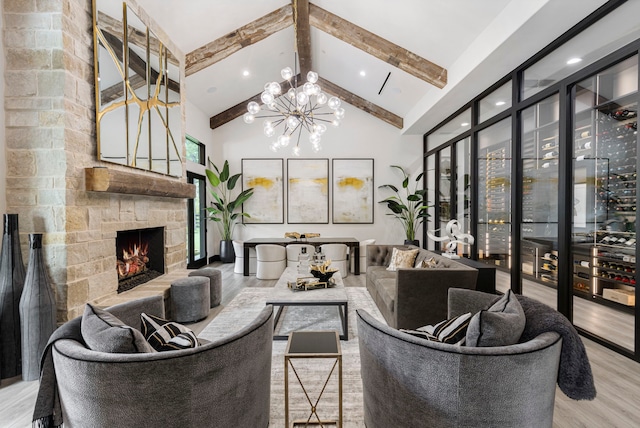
[337,253]
[363,256]
[222,383]
[271,261]
[409,381]
[293,250]
[238,248]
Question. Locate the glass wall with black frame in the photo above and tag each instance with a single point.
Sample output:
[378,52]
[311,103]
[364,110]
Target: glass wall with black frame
[604,222]
[463,182]
[444,191]
[493,242]
[608,34]
[197,224]
[430,169]
[195,150]
[539,229]
[447,132]
[496,102]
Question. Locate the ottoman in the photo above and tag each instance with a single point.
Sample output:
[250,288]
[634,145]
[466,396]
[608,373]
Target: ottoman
[215,283]
[190,299]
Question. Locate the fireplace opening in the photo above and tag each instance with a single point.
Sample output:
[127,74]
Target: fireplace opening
[139,256]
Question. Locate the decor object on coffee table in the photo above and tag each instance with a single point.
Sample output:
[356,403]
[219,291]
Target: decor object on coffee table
[454,235]
[450,385]
[409,208]
[11,284]
[37,310]
[224,209]
[337,254]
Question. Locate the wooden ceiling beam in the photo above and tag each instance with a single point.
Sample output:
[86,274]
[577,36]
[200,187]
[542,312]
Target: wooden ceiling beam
[242,37]
[375,45]
[361,103]
[302,35]
[328,87]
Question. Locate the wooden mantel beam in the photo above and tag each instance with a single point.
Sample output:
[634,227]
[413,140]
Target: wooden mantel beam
[377,46]
[253,32]
[328,87]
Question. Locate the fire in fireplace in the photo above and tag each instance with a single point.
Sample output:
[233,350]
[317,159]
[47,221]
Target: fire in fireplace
[139,256]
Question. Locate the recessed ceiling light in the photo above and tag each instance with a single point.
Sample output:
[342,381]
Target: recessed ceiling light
[574,61]
[500,103]
[245,73]
[211,89]
[363,73]
[464,124]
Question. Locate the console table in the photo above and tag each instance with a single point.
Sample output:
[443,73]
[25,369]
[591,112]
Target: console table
[352,243]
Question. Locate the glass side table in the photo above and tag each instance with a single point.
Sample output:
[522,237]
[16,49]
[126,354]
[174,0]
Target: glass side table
[313,344]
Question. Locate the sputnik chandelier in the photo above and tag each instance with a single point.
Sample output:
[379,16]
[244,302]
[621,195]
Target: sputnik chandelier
[300,108]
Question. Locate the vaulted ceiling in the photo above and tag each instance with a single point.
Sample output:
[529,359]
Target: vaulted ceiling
[382,57]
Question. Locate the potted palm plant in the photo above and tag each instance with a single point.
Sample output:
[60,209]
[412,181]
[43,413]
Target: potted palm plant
[224,210]
[409,207]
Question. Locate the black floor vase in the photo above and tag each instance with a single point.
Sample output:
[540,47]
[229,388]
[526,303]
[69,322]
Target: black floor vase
[37,310]
[11,284]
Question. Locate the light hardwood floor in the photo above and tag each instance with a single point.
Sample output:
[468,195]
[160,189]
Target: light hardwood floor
[617,377]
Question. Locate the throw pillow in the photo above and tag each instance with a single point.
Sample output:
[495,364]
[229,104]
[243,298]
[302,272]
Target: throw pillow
[500,325]
[427,263]
[164,335]
[103,332]
[452,331]
[402,258]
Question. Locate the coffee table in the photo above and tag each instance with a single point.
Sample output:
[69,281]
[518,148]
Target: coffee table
[282,297]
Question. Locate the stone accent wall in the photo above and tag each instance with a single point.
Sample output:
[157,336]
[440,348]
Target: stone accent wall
[50,138]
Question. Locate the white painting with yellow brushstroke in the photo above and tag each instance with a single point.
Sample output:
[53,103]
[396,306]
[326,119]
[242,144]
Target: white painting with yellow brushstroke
[266,206]
[308,190]
[352,190]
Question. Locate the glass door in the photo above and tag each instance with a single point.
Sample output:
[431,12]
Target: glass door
[604,216]
[539,228]
[196,223]
[493,242]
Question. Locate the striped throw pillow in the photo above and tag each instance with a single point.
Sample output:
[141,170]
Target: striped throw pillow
[164,335]
[452,331]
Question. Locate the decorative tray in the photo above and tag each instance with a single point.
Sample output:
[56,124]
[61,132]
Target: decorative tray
[310,283]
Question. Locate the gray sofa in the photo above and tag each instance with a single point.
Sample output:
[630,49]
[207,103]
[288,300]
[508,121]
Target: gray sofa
[415,297]
[410,382]
[222,383]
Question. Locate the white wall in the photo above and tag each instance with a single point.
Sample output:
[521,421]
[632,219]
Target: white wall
[359,136]
[197,126]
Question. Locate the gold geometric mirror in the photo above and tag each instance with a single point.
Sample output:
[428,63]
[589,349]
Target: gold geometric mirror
[138,115]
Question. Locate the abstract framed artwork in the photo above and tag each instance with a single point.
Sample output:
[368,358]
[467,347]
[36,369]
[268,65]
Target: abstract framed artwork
[352,190]
[308,191]
[266,176]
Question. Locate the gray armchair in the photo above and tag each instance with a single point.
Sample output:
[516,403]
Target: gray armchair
[222,383]
[409,381]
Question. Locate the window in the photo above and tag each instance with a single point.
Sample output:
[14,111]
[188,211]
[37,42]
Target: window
[195,150]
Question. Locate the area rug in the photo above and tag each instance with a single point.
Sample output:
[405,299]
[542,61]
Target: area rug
[246,306]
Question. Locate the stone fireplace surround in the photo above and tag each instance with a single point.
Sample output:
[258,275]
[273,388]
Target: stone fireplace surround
[50,140]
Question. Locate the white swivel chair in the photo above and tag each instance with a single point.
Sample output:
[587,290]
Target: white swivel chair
[337,253]
[294,249]
[363,255]
[238,248]
[271,261]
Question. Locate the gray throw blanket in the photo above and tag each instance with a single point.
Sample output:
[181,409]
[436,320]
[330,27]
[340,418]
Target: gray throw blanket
[47,412]
[574,376]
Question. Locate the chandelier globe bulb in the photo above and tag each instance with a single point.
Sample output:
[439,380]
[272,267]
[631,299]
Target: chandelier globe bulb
[253,107]
[312,77]
[286,73]
[321,98]
[333,103]
[248,117]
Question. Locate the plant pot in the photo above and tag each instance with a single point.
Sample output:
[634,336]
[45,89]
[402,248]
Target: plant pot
[415,242]
[227,255]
